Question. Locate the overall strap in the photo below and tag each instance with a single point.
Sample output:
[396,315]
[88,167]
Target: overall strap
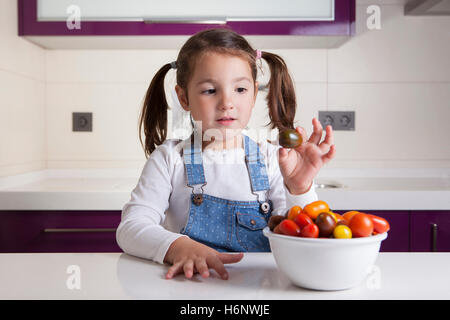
[256,167]
[192,154]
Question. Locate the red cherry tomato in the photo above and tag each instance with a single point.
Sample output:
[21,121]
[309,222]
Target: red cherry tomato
[380,224]
[289,227]
[310,231]
[302,220]
[361,225]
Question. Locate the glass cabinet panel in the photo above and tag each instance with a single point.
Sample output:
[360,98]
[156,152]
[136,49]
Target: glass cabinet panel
[193,11]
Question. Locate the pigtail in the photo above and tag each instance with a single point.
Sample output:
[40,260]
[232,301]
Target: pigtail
[153,115]
[280,99]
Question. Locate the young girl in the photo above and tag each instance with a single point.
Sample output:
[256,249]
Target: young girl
[193,206]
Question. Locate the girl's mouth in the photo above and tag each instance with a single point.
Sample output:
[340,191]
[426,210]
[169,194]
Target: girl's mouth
[226,121]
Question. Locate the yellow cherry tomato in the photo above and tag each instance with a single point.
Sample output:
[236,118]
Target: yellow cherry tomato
[342,232]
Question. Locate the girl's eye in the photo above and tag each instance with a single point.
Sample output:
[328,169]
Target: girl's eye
[211,91]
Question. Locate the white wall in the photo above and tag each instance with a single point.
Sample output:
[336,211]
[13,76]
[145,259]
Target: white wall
[23,137]
[397,79]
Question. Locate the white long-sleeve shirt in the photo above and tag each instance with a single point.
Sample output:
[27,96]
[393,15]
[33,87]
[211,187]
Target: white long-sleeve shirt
[159,204]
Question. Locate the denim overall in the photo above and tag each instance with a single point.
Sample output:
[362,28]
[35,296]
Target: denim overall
[228,225]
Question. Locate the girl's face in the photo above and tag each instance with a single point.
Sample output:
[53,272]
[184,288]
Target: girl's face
[221,87]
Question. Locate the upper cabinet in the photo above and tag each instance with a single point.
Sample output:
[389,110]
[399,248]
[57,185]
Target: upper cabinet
[167,24]
[427,8]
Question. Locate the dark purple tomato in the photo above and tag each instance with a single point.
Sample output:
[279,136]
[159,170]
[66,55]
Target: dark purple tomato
[274,221]
[326,224]
[290,138]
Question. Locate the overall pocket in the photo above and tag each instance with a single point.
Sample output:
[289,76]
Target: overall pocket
[249,230]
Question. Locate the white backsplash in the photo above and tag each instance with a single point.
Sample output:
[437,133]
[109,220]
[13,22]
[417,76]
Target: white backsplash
[396,79]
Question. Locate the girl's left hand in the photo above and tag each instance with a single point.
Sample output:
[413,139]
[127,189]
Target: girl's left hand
[300,165]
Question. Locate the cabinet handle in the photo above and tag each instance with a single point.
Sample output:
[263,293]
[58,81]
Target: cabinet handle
[78,230]
[434,229]
[212,20]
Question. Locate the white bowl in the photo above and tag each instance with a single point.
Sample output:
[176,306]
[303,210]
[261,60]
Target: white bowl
[325,264]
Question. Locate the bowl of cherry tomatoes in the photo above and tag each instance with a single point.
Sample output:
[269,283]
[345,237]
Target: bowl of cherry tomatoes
[319,249]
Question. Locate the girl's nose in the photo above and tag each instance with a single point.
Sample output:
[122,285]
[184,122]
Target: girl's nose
[226,106]
[226,102]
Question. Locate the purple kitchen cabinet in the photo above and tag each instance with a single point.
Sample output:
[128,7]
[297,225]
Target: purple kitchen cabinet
[430,231]
[398,236]
[343,25]
[59,231]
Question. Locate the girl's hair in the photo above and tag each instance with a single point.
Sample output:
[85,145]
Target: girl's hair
[280,98]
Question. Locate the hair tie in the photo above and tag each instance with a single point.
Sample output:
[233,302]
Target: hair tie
[173,64]
[258,57]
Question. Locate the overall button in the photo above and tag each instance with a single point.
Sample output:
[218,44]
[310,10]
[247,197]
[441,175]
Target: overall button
[198,199]
[264,207]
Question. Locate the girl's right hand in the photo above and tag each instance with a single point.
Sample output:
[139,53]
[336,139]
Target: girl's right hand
[189,256]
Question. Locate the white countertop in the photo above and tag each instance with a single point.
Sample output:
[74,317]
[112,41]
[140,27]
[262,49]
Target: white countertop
[120,276]
[110,189]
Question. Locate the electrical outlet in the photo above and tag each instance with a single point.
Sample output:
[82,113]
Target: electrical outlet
[339,120]
[82,121]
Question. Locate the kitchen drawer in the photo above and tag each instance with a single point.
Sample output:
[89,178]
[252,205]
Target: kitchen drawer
[430,231]
[398,236]
[59,231]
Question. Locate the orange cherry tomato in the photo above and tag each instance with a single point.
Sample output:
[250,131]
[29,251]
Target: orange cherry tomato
[315,208]
[289,228]
[342,222]
[337,217]
[380,224]
[349,215]
[361,225]
[293,212]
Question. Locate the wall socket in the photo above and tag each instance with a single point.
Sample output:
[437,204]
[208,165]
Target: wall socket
[82,121]
[339,120]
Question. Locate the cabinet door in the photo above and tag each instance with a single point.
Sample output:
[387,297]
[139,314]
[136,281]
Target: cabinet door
[398,235]
[177,17]
[59,231]
[190,11]
[430,231]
